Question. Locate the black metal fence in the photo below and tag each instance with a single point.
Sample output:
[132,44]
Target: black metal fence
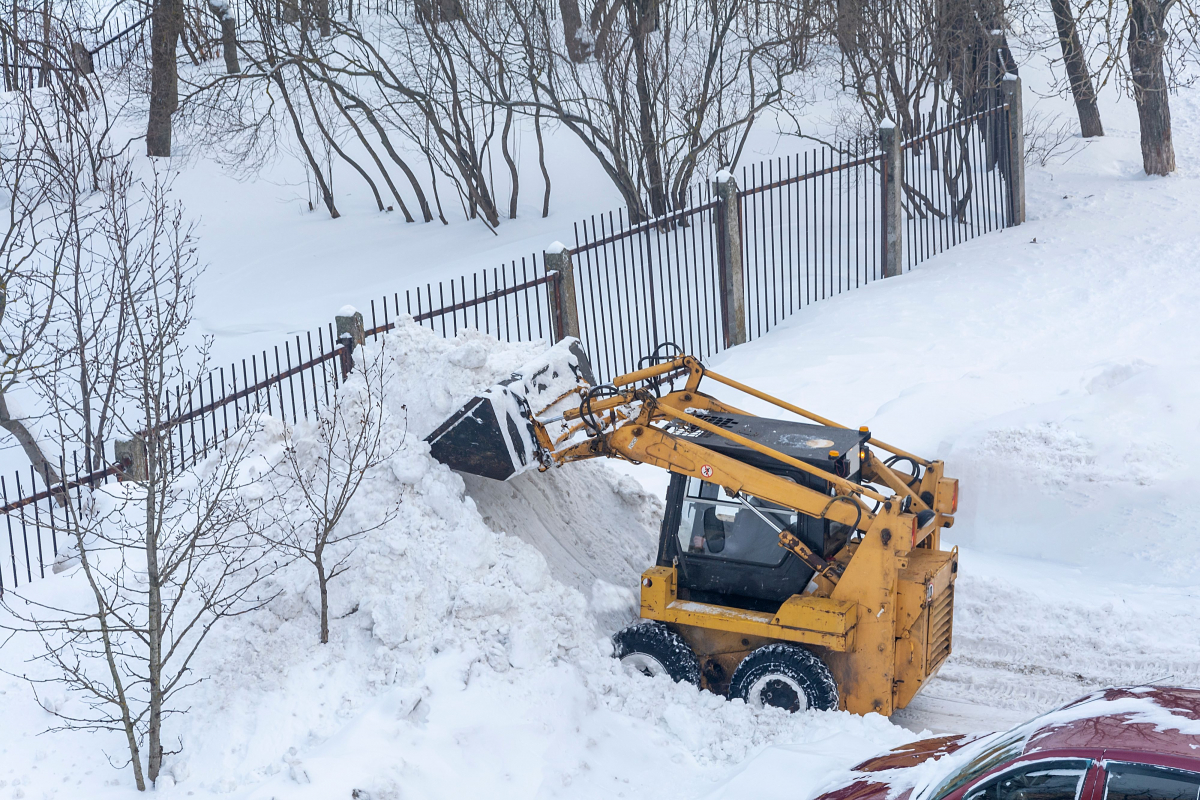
[810,230]
[290,382]
[508,302]
[955,182]
[637,285]
[810,227]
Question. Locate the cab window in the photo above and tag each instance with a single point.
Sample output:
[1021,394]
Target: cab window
[712,523]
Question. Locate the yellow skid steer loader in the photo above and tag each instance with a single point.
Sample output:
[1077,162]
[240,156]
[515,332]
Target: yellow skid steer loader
[799,563]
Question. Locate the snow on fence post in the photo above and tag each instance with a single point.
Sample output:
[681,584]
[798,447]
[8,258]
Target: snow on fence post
[1011,87]
[131,455]
[729,255]
[561,291]
[891,179]
[350,334]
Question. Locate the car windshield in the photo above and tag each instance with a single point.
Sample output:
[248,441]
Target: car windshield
[1007,746]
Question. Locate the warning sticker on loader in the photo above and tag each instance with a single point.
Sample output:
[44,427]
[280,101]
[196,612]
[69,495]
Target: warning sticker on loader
[706,471]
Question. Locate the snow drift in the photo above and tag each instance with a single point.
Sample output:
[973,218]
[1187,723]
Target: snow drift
[469,645]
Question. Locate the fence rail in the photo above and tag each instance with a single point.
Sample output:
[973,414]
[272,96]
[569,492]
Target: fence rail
[726,268]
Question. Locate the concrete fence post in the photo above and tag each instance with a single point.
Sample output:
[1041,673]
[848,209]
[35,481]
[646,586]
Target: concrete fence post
[81,59]
[564,312]
[1011,89]
[131,455]
[891,179]
[350,334]
[729,255]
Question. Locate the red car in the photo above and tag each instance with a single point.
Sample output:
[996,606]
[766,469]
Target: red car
[1119,744]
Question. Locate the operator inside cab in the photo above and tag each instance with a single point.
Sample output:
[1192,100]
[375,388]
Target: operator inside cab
[713,523]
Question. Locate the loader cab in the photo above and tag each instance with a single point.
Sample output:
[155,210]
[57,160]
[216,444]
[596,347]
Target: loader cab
[728,554]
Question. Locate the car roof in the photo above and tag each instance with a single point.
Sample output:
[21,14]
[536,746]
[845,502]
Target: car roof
[1146,719]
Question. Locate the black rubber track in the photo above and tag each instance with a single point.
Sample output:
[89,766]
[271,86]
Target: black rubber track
[791,661]
[662,644]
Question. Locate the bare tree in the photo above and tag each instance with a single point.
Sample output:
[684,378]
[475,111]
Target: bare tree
[169,555]
[323,466]
[166,22]
[1146,45]
[229,41]
[1149,36]
[66,238]
[660,91]
[909,61]
[83,348]
[1078,74]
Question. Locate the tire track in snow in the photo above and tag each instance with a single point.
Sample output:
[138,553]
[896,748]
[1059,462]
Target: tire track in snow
[1024,647]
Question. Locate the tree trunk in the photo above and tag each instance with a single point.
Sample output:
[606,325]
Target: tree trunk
[426,212]
[332,142]
[537,127]
[323,22]
[1147,40]
[24,437]
[165,21]
[326,192]
[229,43]
[153,617]
[512,165]
[44,78]
[323,584]
[374,156]
[1077,70]
[577,49]
[640,26]
[114,672]
[846,27]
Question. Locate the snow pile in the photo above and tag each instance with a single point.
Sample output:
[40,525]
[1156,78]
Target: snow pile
[462,658]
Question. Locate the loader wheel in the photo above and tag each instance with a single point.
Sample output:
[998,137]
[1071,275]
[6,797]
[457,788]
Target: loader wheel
[784,676]
[652,648]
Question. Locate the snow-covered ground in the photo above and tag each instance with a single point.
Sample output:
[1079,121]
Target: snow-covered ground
[1053,366]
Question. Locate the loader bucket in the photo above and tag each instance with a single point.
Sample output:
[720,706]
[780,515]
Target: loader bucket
[492,434]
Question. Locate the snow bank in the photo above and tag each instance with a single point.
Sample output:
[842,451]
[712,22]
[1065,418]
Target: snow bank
[462,658]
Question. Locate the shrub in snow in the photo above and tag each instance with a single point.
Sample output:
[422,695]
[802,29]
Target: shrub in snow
[322,466]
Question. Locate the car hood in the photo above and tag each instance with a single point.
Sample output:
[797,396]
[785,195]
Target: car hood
[914,753]
[881,776]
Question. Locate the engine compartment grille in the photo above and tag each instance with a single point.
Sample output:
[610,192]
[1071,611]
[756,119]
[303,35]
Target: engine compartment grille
[941,624]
